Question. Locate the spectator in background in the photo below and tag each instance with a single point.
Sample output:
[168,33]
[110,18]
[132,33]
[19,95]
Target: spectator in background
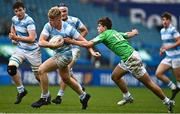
[171,46]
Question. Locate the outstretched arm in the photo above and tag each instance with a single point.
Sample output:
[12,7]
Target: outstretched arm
[83,43]
[132,33]
[80,42]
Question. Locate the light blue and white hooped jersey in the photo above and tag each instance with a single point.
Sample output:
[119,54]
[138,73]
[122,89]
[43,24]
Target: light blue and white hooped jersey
[66,31]
[168,36]
[22,27]
[76,23]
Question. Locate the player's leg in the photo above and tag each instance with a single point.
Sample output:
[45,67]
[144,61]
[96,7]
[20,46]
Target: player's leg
[14,62]
[135,66]
[162,68]
[63,61]
[176,71]
[147,81]
[60,93]
[71,82]
[48,66]
[34,58]
[117,75]
[75,54]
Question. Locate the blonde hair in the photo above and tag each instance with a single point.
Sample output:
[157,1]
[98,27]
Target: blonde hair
[54,12]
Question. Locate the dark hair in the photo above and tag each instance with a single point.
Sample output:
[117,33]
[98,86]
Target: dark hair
[18,4]
[105,21]
[62,5]
[166,15]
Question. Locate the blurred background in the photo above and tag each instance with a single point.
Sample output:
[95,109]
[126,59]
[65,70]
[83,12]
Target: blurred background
[145,15]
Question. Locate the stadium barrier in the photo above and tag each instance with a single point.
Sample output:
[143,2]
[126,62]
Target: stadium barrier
[92,77]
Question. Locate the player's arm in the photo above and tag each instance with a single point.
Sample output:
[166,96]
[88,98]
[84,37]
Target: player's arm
[129,34]
[176,36]
[80,42]
[31,29]
[12,30]
[81,27]
[132,33]
[177,43]
[83,30]
[44,43]
[28,39]
[83,43]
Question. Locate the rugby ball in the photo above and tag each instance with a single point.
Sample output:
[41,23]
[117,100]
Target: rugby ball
[56,39]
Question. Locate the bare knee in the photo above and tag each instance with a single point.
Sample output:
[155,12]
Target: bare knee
[40,72]
[66,79]
[159,74]
[115,78]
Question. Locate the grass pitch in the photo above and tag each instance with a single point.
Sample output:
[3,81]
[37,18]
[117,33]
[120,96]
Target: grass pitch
[103,100]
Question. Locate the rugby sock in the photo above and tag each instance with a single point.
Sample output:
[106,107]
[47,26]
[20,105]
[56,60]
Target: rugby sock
[45,95]
[20,89]
[60,93]
[166,100]
[126,95]
[178,84]
[82,96]
[171,85]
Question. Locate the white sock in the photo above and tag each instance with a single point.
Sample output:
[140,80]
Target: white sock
[20,89]
[126,95]
[82,96]
[178,84]
[60,93]
[166,100]
[45,95]
[171,85]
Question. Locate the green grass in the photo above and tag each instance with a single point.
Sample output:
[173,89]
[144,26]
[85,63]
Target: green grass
[103,100]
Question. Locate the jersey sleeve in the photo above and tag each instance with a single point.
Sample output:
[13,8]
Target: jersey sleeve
[79,24]
[124,35]
[46,30]
[31,25]
[72,32]
[98,39]
[175,33]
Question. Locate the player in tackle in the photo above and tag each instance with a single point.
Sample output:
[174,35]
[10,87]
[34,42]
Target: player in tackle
[61,58]
[131,61]
[78,25]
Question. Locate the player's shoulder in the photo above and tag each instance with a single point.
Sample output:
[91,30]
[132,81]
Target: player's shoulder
[28,18]
[162,30]
[66,25]
[48,26]
[172,27]
[15,18]
[73,18]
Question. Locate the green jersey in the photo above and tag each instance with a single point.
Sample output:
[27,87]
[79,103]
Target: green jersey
[116,42]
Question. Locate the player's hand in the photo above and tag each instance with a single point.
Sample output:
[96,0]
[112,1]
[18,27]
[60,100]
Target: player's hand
[166,47]
[14,42]
[135,31]
[13,36]
[96,54]
[162,50]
